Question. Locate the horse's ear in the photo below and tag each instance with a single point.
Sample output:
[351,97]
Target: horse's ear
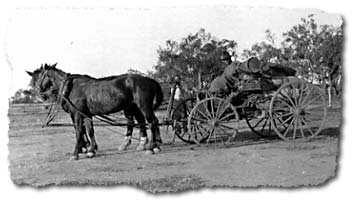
[46,67]
[30,73]
[53,66]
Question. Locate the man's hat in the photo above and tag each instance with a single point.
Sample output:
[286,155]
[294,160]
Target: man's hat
[225,56]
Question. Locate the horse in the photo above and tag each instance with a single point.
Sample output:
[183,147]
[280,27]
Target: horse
[85,97]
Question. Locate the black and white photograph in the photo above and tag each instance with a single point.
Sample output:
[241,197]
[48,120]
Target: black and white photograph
[175,99]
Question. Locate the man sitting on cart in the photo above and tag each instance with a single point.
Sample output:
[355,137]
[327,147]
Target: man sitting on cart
[224,84]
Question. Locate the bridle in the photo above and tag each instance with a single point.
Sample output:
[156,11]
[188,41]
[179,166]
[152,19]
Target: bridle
[54,108]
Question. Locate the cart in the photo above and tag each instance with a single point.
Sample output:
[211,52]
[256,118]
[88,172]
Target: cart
[293,109]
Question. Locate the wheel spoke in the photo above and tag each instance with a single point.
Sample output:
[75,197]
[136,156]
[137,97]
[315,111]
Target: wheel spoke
[218,109]
[310,102]
[227,127]
[269,131]
[288,128]
[227,133]
[294,128]
[208,140]
[223,111]
[199,119]
[285,121]
[301,127]
[263,127]
[302,90]
[213,112]
[227,116]
[283,101]
[203,132]
[304,124]
[320,106]
[307,95]
[201,113]
[307,119]
[207,109]
[295,95]
[288,97]
[313,115]
[215,137]
[310,131]
[258,122]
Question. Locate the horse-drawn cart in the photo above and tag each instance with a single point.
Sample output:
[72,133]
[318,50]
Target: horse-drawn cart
[291,109]
[269,98]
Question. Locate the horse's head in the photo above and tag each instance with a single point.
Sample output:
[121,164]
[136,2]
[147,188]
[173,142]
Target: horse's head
[42,82]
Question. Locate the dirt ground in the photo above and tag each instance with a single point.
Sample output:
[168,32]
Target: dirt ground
[39,157]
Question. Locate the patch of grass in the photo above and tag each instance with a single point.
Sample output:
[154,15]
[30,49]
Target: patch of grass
[174,183]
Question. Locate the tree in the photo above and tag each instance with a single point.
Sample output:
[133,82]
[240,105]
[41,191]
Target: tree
[311,49]
[195,58]
[314,47]
[22,96]
[265,50]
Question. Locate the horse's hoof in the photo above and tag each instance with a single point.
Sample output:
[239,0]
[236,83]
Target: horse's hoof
[73,157]
[125,144]
[123,147]
[84,149]
[149,152]
[156,150]
[90,154]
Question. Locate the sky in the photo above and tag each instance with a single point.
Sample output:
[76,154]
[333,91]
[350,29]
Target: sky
[109,41]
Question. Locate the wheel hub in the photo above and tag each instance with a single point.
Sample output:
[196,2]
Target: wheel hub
[214,123]
[298,111]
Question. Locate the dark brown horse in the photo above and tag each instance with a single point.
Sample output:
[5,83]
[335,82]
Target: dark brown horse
[84,97]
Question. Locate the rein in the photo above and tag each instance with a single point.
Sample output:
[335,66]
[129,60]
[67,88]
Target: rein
[53,112]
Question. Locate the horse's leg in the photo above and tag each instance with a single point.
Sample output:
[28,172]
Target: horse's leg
[130,122]
[88,127]
[154,139]
[138,115]
[79,133]
[83,140]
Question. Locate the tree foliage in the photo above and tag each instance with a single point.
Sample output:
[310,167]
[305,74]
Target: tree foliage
[22,96]
[313,50]
[265,50]
[319,46]
[310,48]
[195,58]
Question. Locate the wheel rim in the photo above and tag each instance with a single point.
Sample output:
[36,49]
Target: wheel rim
[180,124]
[298,110]
[213,120]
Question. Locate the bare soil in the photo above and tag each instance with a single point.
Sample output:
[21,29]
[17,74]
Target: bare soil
[39,157]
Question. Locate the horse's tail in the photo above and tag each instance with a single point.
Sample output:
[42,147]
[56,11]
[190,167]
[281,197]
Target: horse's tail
[158,98]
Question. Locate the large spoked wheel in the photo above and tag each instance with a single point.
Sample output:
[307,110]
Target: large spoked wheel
[298,110]
[180,116]
[213,120]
